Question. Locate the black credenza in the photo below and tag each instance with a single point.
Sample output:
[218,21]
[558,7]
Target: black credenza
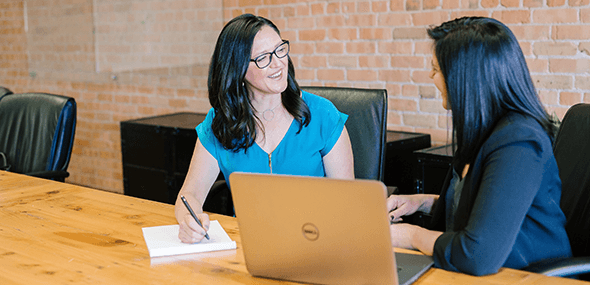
[156,155]
[400,161]
[432,166]
[157,151]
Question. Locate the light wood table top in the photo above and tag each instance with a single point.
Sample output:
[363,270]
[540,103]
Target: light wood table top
[59,233]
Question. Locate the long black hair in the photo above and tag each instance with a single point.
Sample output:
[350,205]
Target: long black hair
[234,124]
[486,76]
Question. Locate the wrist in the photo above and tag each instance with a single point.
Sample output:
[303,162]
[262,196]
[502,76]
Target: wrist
[427,203]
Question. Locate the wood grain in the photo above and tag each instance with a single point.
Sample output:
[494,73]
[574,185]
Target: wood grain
[58,233]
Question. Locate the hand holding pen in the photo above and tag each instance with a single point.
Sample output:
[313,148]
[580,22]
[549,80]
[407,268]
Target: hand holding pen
[188,207]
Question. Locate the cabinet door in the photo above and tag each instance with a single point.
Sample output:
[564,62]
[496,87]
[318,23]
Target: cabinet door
[146,183]
[144,145]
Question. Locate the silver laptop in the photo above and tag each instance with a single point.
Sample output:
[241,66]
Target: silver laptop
[319,230]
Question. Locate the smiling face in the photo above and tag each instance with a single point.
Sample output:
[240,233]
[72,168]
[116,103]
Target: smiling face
[272,79]
[439,82]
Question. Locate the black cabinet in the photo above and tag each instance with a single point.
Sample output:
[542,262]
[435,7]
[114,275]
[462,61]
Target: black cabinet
[432,167]
[157,152]
[400,161]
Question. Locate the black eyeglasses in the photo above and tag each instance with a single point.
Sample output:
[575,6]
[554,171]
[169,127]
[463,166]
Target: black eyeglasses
[264,60]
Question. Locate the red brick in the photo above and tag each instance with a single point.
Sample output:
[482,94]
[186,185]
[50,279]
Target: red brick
[396,5]
[430,4]
[575,3]
[490,3]
[333,8]
[347,61]
[410,90]
[510,3]
[554,16]
[548,96]
[360,47]
[343,34]
[430,18]
[451,4]
[330,21]
[407,105]
[330,74]
[533,3]
[396,19]
[407,62]
[395,47]
[412,5]
[470,13]
[570,32]
[361,20]
[330,47]
[553,81]
[513,16]
[570,98]
[317,9]
[313,61]
[555,49]
[555,3]
[361,75]
[409,33]
[394,75]
[375,34]
[302,23]
[581,82]
[312,35]
[373,61]
[379,6]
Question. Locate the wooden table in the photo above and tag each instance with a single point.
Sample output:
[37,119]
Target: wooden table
[58,233]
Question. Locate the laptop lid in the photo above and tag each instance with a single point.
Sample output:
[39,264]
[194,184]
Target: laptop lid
[314,230]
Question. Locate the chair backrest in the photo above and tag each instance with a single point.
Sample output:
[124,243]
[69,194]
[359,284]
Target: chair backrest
[572,153]
[4,91]
[37,131]
[366,125]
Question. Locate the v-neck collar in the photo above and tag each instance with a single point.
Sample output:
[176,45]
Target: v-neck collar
[282,139]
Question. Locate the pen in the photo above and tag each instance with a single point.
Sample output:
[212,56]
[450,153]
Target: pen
[188,207]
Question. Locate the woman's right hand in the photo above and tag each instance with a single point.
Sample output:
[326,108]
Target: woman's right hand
[190,231]
[404,205]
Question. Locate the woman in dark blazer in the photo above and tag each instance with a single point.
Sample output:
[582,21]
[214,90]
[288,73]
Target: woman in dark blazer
[500,204]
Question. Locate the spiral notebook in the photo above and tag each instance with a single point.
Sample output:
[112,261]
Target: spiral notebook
[164,241]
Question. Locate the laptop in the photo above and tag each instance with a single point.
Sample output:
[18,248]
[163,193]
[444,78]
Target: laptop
[319,230]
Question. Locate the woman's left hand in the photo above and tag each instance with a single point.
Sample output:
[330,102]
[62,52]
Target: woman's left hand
[402,235]
[413,237]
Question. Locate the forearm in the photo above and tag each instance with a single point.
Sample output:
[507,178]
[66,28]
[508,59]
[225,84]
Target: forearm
[423,240]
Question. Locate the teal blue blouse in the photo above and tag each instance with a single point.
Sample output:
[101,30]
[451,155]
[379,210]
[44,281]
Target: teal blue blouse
[297,153]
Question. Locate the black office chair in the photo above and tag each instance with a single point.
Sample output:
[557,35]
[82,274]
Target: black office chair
[37,133]
[366,125]
[572,153]
[367,129]
[4,91]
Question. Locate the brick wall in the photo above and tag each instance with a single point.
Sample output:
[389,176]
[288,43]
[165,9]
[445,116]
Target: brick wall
[130,59]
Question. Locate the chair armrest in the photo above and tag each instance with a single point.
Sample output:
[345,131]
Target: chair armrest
[58,175]
[561,267]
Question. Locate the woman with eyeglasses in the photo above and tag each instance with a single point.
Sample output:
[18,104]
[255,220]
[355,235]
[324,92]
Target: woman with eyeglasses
[260,120]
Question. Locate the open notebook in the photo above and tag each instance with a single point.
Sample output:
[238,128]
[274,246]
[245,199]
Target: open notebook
[319,230]
[164,241]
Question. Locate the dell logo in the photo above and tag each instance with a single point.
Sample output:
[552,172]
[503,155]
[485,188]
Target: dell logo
[310,231]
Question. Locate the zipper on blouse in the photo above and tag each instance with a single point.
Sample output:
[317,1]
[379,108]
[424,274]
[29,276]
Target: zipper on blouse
[270,162]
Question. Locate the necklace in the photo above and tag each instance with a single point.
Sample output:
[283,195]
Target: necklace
[269,114]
